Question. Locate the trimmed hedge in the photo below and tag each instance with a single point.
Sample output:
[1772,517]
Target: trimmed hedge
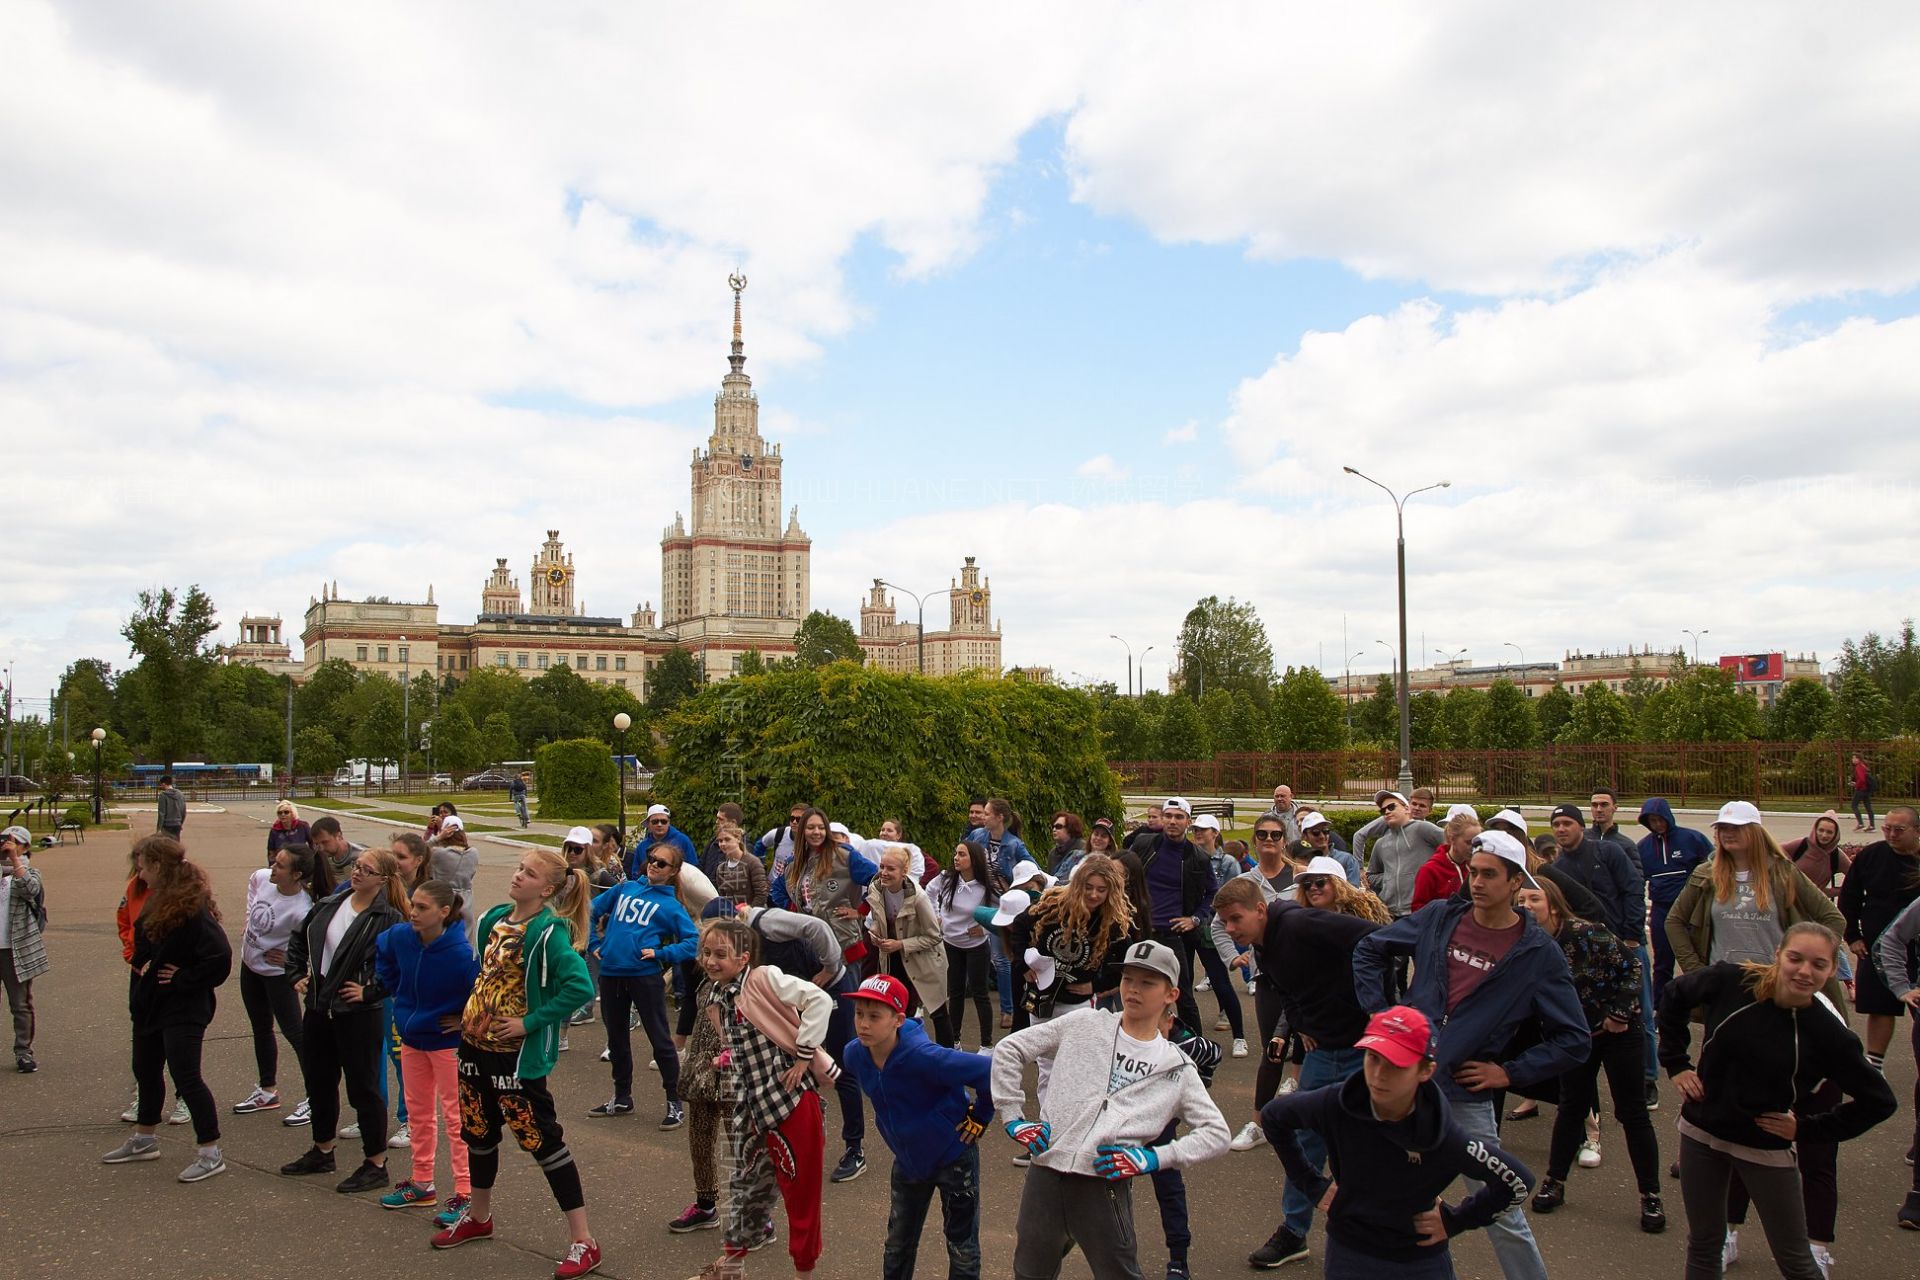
[577,780]
[81,813]
[866,746]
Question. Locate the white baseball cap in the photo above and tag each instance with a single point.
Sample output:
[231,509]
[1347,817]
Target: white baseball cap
[578,835]
[1013,902]
[1501,845]
[838,829]
[1512,817]
[1459,810]
[1026,870]
[1044,968]
[1176,802]
[1324,866]
[659,811]
[452,823]
[1738,813]
[1206,822]
[1378,796]
[1313,820]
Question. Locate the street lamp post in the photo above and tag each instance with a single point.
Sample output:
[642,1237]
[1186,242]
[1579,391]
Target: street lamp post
[99,736]
[921,602]
[1348,664]
[1400,549]
[621,723]
[1696,641]
[1143,668]
[1129,649]
[406,713]
[1452,656]
[1508,644]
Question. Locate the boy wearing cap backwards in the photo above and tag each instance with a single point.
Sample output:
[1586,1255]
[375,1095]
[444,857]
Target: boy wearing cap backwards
[1482,970]
[1393,1146]
[919,1094]
[1117,1086]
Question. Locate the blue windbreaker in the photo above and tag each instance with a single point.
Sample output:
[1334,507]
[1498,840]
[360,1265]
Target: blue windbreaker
[1668,860]
[920,1097]
[425,983]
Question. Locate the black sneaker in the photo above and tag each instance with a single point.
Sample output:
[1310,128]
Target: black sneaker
[1281,1248]
[1653,1215]
[1551,1195]
[1653,1095]
[25,1064]
[366,1178]
[1177,1269]
[611,1107]
[675,1117]
[1909,1216]
[313,1160]
[851,1165]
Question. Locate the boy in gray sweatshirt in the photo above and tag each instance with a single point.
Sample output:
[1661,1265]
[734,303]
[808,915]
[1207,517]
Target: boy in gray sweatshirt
[1117,1085]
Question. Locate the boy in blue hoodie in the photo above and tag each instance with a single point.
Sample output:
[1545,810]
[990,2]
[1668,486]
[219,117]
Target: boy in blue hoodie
[919,1095]
[646,933]
[1393,1147]
[1668,854]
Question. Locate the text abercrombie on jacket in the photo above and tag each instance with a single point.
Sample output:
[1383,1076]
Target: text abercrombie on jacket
[1530,983]
[1084,1116]
[426,982]
[1388,1173]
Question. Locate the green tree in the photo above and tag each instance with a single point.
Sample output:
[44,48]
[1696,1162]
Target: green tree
[168,633]
[1306,714]
[1377,720]
[676,678]
[1125,731]
[246,717]
[1237,723]
[824,638]
[1183,734]
[1553,709]
[752,664]
[556,705]
[1459,713]
[578,780]
[1423,716]
[85,697]
[1893,665]
[1224,646]
[497,741]
[1861,712]
[1637,688]
[316,751]
[456,740]
[377,735]
[322,700]
[1800,713]
[1701,704]
[486,691]
[1599,715]
[1505,719]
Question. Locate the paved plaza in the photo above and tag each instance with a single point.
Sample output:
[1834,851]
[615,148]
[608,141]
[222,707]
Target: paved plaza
[65,1214]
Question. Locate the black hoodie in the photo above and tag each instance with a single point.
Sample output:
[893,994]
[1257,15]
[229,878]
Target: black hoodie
[1388,1172]
[1309,954]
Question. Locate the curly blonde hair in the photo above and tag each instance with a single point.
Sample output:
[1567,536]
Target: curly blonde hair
[1066,905]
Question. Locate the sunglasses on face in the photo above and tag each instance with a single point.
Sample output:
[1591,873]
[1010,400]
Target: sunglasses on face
[1269,835]
[1059,826]
[661,863]
[1389,808]
[1312,884]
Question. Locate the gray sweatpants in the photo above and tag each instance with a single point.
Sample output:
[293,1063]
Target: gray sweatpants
[1060,1210]
[1704,1177]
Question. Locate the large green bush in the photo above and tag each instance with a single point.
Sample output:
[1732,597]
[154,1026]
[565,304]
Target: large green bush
[577,780]
[866,746]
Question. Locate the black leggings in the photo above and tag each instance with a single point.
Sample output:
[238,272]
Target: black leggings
[176,1050]
[350,1047]
[648,994]
[494,1101]
[1623,1056]
[1221,979]
[270,999]
[969,977]
[1266,1012]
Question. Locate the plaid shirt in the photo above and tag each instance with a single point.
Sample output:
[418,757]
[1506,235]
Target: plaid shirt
[761,1102]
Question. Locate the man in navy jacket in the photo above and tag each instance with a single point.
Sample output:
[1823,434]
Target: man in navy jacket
[1482,971]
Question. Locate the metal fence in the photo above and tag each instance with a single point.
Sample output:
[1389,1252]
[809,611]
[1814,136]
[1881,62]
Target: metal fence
[1685,773]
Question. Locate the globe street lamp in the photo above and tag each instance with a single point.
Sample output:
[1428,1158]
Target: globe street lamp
[621,723]
[1400,547]
[99,736]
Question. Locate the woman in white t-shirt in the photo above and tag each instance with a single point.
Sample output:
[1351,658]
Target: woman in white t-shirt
[970,882]
[278,898]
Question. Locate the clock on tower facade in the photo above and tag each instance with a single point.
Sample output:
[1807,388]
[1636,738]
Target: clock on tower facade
[553,579]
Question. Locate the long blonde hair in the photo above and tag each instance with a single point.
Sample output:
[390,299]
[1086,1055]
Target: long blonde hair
[1363,903]
[398,895]
[573,894]
[1066,905]
[1764,855]
[1763,977]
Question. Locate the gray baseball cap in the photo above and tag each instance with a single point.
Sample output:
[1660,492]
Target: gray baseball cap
[20,834]
[1154,956]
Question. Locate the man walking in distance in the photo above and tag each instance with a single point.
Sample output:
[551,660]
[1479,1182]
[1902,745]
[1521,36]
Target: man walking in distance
[1481,970]
[1289,813]
[172,808]
[518,790]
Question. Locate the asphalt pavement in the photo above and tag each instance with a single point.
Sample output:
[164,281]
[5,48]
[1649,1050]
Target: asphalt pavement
[63,1213]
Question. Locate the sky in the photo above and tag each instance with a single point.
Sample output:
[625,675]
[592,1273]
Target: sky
[1104,295]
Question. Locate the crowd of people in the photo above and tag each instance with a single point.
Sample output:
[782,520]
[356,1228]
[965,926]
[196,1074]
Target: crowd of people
[1406,983]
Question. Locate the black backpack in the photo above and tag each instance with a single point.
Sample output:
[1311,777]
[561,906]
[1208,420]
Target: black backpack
[794,958]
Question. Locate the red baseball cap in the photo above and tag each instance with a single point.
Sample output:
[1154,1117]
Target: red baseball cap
[887,989]
[1401,1035]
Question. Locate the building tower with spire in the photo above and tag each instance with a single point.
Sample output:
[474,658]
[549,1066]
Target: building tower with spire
[736,578]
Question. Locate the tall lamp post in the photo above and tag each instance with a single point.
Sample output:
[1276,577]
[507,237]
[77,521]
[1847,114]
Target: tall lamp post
[1143,669]
[99,736]
[406,713]
[1696,641]
[621,723]
[1129,649]
[921,602]
[1348,664]
[1452,656]
[1400,549]
[1508,644]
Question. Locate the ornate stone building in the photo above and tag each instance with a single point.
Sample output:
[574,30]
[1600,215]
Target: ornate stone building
[970,641]
[260,646]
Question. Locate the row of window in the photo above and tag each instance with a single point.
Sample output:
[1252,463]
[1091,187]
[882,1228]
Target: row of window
[360,654]
[542,661]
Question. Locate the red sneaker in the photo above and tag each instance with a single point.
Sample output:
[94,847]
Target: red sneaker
[462,1231]
[580,1259]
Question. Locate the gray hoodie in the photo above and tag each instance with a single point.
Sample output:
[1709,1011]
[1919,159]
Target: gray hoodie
[1395,858]
[1084,1116]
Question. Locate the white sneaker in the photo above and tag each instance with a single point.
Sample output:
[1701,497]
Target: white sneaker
[349,1131]
[302,1114]
[132,1114]
[180,1113]
[606,1055]
[1730,1251]
[1239,1048]
[261,1099]
[1222,1023]
[1590,1154]
[653,1064]
[564,1046]
[1203,985]
[1823,1259]
[402,1137]
[1289,1085]
[1248,1138]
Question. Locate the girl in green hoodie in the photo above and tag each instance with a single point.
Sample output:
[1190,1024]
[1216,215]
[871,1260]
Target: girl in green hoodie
[531,979]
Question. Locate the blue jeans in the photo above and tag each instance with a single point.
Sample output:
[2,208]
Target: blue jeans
[1647,1011]
[853,1121]
[959,1187]
[390,1043]
[1002,971]
[520,807]
[1318,1069]
[1512,1238]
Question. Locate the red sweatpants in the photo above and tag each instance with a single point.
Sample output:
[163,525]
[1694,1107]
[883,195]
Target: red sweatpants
[792,1154]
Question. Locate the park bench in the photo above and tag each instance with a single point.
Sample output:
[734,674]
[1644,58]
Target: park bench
[1221,809]
[61,828]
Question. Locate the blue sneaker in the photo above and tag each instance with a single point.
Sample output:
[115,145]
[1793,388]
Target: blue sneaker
[409,1194]
[456,1205]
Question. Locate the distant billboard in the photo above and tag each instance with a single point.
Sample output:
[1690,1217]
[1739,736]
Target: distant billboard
[1755,666]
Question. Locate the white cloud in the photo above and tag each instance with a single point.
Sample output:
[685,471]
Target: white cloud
[1102,466]
[1185,433]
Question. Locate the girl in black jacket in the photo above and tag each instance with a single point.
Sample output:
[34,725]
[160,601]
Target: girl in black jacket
[1770,1041]
[333,953]
[180,955]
